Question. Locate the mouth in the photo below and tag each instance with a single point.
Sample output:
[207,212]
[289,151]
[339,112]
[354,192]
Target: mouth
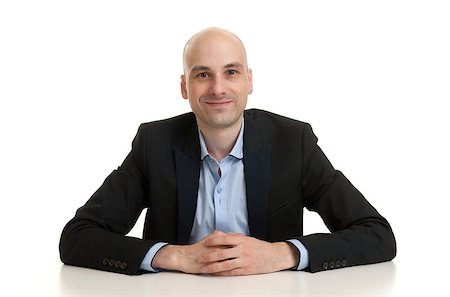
[218,104]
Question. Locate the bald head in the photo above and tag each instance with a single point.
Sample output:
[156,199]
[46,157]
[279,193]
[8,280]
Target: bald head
[216,80]
[206,41]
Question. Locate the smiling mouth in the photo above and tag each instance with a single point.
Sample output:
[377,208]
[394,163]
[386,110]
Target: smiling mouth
[217,103]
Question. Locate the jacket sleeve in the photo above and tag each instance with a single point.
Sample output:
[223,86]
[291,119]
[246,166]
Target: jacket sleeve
[359,234]
[96,236]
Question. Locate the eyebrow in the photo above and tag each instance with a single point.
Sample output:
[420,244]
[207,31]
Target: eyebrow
[233,65]
[203,68]
[199,68]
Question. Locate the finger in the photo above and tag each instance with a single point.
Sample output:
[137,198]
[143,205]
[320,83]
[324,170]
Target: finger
[233,272]
[217,267]
[235,234]
[215,233]
[226,240]
[218,255]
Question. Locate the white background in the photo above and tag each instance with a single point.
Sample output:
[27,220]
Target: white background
[78,77]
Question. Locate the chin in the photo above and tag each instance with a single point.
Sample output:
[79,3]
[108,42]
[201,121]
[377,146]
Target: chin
[221,121]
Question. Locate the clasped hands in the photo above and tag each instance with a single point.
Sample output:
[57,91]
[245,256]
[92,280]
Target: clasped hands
[227,254]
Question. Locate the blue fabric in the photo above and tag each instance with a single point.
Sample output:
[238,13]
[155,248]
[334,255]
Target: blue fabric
[148,259]
[221,202]
[304,257]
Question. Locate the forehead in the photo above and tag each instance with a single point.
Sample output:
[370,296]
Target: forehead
[214,51]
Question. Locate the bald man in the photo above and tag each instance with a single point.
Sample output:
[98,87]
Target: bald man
[224,188]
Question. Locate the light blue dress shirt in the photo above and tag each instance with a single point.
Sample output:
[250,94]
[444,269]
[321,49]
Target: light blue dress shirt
[222,201]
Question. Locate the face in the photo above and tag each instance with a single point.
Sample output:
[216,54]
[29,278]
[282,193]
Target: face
[216,80]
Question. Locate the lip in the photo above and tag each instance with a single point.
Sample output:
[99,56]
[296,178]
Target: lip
[218,103]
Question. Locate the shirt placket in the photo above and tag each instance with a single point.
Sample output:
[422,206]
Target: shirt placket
[219,198]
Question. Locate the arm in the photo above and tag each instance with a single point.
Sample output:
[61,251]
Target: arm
[359,234]
[95,237]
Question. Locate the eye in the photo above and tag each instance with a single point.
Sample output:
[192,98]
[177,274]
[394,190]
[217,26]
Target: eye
[203,75]
[232,72]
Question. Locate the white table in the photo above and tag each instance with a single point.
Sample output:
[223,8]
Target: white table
[369,280]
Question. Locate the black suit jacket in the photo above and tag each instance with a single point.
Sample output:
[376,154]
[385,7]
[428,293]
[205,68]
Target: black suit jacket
[285,171]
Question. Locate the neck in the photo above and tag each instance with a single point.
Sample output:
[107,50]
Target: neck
[220,141]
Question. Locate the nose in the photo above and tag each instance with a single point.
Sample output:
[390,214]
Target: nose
[217,86]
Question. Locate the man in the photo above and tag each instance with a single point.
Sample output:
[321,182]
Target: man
[225,188]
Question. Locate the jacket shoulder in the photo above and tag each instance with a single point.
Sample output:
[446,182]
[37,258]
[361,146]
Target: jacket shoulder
[272,120]
[168,132]
[183,120]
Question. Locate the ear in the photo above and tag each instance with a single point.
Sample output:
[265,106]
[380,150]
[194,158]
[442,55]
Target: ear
[250,80]
[183,87]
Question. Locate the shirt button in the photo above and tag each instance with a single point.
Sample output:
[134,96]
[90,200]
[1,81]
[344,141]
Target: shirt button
[219,190]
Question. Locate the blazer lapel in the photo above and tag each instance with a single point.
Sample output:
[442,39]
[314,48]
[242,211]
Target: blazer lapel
[187,164]
[257,178]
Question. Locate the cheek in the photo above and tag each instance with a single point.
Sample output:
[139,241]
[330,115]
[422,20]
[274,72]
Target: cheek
[195,91]
[193,104]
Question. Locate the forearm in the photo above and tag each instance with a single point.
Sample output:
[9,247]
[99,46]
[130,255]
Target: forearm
[360,244]
[92,247]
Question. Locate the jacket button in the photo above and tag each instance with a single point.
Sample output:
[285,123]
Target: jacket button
[332,265]
[118,264]
[343,263]
[338,264]
[105,261]
[325,265]
[111,263]
[123,265]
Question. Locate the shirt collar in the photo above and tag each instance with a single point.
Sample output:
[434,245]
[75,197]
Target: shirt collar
[237,150]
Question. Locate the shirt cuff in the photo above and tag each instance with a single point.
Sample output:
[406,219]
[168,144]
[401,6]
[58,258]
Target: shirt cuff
[304,257]
[146,263]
